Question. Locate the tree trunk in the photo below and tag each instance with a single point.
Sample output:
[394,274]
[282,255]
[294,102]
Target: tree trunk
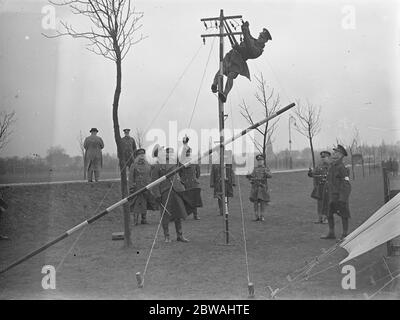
[124,181]
[312,151]
[265,143]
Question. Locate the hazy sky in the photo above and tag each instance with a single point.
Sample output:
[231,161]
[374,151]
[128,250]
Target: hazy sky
[58,88]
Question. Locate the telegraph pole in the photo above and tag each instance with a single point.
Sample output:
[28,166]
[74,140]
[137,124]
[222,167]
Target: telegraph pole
[221,19]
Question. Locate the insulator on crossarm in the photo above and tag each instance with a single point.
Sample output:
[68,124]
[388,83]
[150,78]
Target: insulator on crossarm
[204,40]
[241,39]
[233,26]
[216,24]
[205,25]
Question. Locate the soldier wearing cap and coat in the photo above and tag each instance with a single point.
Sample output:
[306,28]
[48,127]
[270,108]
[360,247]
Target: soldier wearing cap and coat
[93,156]
[320,191]
[128,147]
[339,190]
[216,179]
[139,177]
[259,193]
[189,177]
[234,62]
[169,192]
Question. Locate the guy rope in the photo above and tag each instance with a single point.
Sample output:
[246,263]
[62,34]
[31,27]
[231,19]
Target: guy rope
[144,189]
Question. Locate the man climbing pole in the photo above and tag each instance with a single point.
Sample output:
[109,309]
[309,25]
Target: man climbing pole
[234,62]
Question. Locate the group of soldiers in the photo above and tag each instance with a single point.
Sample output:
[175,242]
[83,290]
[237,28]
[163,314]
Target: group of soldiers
[175,197]
[332,190]
[180,195]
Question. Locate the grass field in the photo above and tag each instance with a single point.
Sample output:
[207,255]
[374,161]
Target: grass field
[98,268]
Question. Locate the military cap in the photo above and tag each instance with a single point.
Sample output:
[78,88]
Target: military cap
[94,130]
[185,139]
[140,151]
[266,35]
[156,148]
[260,157]
[126,130]
[325,152]
[340,149]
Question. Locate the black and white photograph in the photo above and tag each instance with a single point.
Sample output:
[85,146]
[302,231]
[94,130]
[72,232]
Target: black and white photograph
[216,153]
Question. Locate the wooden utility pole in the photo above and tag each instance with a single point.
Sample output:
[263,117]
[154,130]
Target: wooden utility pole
[222,33]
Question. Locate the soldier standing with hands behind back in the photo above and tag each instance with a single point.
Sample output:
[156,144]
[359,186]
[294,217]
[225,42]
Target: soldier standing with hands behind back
[93,156]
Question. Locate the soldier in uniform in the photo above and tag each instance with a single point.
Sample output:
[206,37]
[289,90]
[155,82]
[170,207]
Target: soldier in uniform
[128,147]
[259,194]
[215,182]
[234,62]
[189,177]
[320,191]
[140,176]
[169,193]
[339,189]
[93,156]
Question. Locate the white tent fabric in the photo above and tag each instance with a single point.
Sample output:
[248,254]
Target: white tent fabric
[381,227]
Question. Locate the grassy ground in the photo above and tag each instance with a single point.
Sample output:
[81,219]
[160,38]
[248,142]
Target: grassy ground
[97,267]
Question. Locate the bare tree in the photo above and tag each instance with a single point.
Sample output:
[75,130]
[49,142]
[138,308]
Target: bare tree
[139,137]
[355,150]
[7,119]
[269,104]
[308,123]
[114,24]
[81,140]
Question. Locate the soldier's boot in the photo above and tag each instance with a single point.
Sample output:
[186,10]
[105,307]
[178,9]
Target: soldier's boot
[331,233]
[135,219]
[96,175]
[345,226]
[143,221]
[256,213]
[179,233]
[262,210]
[220,204]
[195,214]
[90,175]
[214,86]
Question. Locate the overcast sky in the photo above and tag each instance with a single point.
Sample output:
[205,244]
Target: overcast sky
[58,88]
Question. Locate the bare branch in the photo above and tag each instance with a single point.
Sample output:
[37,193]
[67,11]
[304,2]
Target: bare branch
[270,103]
[114,25]
[6,122]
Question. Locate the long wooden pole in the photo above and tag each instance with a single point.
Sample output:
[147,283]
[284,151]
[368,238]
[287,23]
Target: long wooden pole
[225,212]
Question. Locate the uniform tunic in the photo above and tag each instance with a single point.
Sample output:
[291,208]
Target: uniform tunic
[175,206]
[93,156]
[189,177]
[259,185]
[339,189]
[129,148]
[139,177]
[319,174]
[215,181]
[235,59]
